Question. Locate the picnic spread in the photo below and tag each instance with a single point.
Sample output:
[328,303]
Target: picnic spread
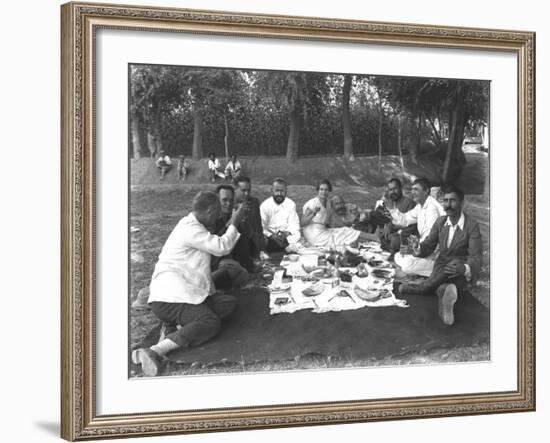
[339,279]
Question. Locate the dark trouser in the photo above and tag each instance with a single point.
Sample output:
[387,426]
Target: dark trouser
[245,251]
[273,246]
[431,285]
[199,323]
[229,274]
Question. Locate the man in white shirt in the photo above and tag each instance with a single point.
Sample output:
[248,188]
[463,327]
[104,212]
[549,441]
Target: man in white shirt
[424,214]
[233,168]
[459,258]
[181,291]
[164,163]
[280,221]
[214,168]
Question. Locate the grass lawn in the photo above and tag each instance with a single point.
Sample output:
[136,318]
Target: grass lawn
[155,210]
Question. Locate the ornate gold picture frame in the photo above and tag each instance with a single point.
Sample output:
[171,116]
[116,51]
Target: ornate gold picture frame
[80,23]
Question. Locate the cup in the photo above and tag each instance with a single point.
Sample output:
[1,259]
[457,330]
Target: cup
[278,277]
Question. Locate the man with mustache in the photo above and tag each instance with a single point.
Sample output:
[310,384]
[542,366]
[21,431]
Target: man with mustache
[424,215]
[251,246]
[280,221]
[459,259]
[227,271]
[392,234]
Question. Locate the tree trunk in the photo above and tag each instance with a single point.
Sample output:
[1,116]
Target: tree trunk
[136,138]
[157,131]
[416,146]
[197,135]
[454,155]
[400,144]
[151,144]
[380,114]
[226,137]
[293,135]
[346,119]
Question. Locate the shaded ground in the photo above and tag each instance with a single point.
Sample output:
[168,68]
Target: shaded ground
[156,209]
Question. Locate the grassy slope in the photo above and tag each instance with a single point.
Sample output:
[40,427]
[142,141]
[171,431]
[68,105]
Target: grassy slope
[363,171]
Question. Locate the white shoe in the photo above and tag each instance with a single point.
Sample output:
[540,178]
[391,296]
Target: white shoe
[446,301]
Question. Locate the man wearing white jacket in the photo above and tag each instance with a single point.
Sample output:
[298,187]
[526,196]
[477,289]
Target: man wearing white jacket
[182,292]
[424,214]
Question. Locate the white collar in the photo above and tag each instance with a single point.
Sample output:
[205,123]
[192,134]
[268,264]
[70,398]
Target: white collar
[460,221]
[425,205]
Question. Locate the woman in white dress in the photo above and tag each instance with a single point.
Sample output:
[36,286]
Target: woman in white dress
[316,216]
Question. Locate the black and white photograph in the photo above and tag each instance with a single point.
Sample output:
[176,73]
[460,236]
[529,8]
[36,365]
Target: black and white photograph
[293,220]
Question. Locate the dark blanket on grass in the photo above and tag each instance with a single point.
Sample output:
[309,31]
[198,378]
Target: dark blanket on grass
[251,334]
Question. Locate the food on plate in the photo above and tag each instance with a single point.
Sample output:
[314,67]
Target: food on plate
[367,294]
[383,273]
[283,287]
[351,259]
[314,289]
[345,277]
[282,301]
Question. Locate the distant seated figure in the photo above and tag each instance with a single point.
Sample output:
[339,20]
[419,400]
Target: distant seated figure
[280,222]
[164,163]
[214,168]
[316,228]
[459,260]
[227,272]
[233,168]
[183,167]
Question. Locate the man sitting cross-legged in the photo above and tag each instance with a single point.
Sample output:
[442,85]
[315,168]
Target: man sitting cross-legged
[252,244]
[280,221]
[182,293]
[424,214]
[459,259]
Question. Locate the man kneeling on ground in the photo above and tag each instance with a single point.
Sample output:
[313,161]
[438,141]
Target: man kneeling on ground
[459,259]
[182,293]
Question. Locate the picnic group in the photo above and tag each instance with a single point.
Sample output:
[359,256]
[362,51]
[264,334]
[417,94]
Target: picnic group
[229,233]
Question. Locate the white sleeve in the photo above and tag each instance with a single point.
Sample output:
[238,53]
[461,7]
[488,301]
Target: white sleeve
[404,219]
[432,214]
[214,244]
[310,204]
[265,219]
[293,226]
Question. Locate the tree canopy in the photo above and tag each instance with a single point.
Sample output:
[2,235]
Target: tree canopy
[196,110]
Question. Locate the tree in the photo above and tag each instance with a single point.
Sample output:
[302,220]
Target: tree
[215,90]
[153,92]
[443,103]
[346,119]
[296,93]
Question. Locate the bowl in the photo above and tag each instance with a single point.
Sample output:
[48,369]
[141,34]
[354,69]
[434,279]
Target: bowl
[293,257]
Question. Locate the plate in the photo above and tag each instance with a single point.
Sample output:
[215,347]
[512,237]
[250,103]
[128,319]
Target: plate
[366,294]
[314,289]
[279,289]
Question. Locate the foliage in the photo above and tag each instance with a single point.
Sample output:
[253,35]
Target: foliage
[272,112]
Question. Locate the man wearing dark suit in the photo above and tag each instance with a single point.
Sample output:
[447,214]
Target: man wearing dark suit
[251,244]
[459,259]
